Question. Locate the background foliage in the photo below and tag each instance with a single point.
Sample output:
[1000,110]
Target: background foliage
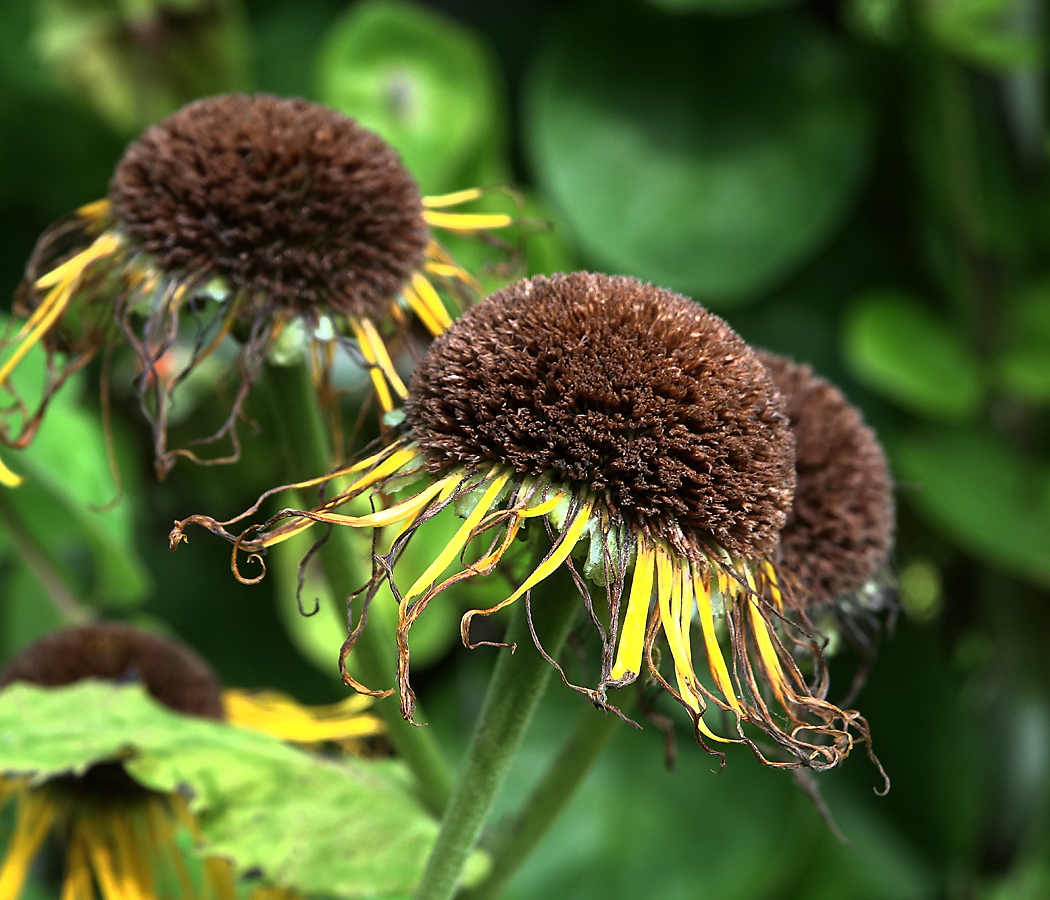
[861,184]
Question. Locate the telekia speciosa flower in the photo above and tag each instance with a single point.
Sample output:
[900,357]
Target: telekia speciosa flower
[241,217]
[122,840]
[647,444]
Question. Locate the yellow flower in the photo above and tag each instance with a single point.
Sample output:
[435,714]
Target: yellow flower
[118,836]
[631,422]
[245,216]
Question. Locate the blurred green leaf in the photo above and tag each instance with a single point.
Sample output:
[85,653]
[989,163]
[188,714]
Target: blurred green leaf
[713,157]
[990,33]
[897,346]
[984,494]
[424,83]
[340,829]
[136,63]
[1024,365]
[69,479]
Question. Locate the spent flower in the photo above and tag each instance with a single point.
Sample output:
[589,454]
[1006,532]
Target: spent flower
[240,216]
[115,833]
[651,443]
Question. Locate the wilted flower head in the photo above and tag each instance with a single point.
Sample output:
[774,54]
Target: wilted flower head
[115,833]
[840,529]
[243,216]
[634,423]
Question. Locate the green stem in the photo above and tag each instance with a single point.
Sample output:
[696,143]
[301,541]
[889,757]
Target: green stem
[519,836]
[517,684]
[308,447]
[69,606]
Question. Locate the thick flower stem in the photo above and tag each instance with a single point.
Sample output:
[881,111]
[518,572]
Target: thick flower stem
[517,684]
[519,836]
[307,447]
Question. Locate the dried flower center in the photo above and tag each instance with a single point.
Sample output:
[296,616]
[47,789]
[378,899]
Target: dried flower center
[840,528]
[616,386]
[171,672]
[292,203]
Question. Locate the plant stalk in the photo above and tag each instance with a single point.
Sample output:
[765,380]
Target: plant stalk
[308,449]
[517,684]
[519,836]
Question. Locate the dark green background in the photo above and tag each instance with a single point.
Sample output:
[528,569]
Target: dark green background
[860,184]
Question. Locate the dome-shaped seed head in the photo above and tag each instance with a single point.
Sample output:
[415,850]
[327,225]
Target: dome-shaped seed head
[612,385]
[290,202]
[172,673]
[840,529]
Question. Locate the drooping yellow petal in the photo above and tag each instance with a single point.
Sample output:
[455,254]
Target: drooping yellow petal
[430,299]
[381,368]
[466,221]
[459,540]
[69,271]
[569,538]
[632,635]
[96,209]
[8,478]
[669,583]
[543,507]
[279,715]
[218,874]
[36,812]
[456,198]
[422,312]
[53,305]
[398,511]
[715,660]
[768,652]
[77,884]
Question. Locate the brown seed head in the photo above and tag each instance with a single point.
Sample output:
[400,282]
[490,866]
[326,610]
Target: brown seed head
[293,203]
[620,387]
[171,672]
[840,529]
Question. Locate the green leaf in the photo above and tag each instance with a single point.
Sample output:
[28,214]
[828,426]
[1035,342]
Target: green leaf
[897,346]
[713,158]
[990,33]
[984,494]
[424,83]
[342,829]
[68,479]
[1024,365]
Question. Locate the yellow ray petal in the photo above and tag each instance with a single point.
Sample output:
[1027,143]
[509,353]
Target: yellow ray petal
[437,201]
[36,812]
[425,290]
[451,482]
[568,539]
[8,478]
[466,221]
[398,511]
[96,209]
[444,270]
[632,636]
[454,546]
[715,661]
[72,269]
[543,507]
[55,304]
[77,884]
[422,312]
[279,715]
[218,873]
[380,365]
